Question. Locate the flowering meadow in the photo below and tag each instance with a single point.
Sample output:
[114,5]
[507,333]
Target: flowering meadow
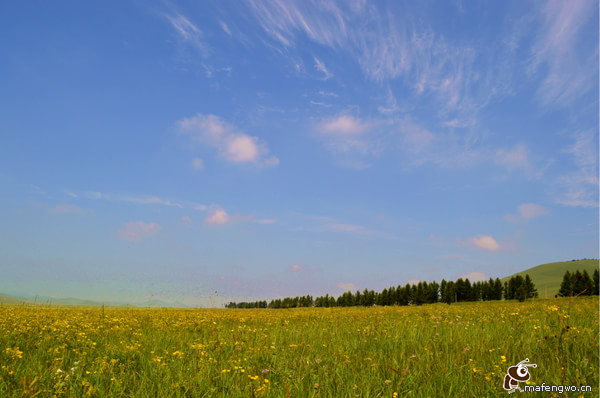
[424,351]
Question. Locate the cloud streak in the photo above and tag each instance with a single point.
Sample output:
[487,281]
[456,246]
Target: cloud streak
[187,31]
[72,209]
[137,231]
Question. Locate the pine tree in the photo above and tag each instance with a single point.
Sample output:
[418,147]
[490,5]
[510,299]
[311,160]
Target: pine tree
[596,284]
[566,286]
[521,293]
[530,287]
[582,284]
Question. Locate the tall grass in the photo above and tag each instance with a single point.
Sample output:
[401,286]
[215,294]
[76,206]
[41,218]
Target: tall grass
[431,350]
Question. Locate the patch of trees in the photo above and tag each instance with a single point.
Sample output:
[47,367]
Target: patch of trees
[519,288]
[579,284]
[416,294]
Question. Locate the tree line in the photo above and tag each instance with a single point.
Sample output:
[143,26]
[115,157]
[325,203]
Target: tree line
[579,284]
[411,294]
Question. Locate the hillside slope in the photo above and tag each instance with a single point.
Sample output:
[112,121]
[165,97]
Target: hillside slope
[547,277]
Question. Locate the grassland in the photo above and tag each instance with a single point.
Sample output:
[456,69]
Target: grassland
[432,350]
[547,277]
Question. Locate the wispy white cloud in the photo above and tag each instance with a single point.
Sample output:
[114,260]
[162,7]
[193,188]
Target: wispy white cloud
[265,221]
[323,22]
[320,66]
[141,199]
[327,94]
[580,187]
[225,27]
[186,220]
[187,31]
[72,209]
[148,200]
[137,231]
[572,64]
[389,45]
[232,145]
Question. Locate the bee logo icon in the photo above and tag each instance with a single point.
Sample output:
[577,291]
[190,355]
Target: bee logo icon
[516,374]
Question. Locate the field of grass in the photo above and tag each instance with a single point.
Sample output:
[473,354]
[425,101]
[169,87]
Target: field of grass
[547,277]
[432,350]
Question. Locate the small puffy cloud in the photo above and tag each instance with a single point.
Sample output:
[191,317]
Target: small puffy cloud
[186,220]
[232,145]
[485,242]
[218,216]
[138,230]
[197,163]
[475,276]
[346,286]
[343,125]
[72,209]
[296,268]
[527,211]
[413,281]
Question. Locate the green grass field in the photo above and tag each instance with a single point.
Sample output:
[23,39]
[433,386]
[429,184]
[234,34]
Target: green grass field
[423,351]
[547,277]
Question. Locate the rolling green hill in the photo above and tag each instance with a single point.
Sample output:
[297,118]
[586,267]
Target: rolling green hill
[547,277]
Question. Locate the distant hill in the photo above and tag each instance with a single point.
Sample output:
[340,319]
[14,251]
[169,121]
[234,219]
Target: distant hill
[13,300]
[4,299]
[547,277]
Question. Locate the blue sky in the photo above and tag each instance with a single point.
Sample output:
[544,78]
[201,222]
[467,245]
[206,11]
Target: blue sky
[277,148]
